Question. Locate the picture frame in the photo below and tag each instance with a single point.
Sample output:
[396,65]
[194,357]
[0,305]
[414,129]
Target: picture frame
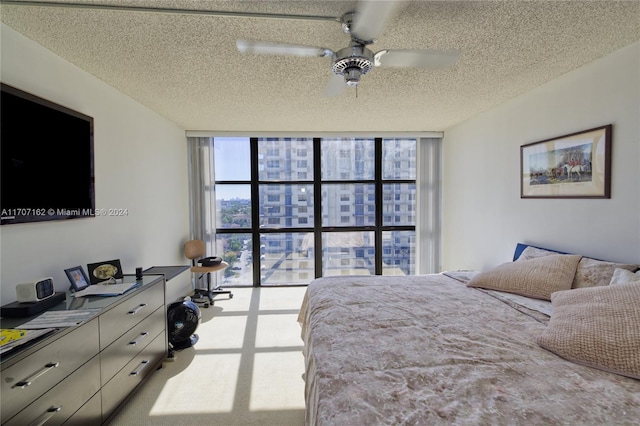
[577,165]
[105,270]
[77,277]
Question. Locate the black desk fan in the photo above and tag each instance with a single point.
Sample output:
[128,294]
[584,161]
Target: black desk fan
[183,319]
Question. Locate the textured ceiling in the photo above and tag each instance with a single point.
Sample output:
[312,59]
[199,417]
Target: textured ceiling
[186,66]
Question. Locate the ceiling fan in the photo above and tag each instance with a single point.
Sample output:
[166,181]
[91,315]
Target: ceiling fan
[350,63]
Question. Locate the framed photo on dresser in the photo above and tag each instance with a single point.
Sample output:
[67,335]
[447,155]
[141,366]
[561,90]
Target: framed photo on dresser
[77,277]
[103,271]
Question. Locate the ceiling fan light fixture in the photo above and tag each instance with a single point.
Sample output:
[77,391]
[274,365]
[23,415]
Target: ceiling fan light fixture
[352,76]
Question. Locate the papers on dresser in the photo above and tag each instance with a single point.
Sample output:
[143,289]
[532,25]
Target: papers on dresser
[61,318]
[103,289]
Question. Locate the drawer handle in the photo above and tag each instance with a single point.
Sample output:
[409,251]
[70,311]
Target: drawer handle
[46,416]
[139,339]
[139,368]
[29,380]
[137,309]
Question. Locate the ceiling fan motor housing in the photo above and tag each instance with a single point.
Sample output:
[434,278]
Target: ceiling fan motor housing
[353,62]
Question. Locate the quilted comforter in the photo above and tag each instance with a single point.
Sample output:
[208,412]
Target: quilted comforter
[428,350]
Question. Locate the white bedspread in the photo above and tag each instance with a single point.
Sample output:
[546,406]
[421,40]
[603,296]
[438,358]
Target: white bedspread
[427,350]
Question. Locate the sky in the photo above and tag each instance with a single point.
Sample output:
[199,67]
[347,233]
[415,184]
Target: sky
[236,166]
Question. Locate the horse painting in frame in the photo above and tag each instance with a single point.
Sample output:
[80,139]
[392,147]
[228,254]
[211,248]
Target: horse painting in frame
[577,165]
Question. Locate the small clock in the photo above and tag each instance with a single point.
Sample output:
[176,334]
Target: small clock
[35,291]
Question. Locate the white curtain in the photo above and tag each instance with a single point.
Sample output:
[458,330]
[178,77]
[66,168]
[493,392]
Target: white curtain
[202,198]
[428,209]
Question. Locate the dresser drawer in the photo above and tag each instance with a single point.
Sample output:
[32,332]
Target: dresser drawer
[138,369]
[90,414]
[25,381]
[130,312]
[120,352]
[64,399]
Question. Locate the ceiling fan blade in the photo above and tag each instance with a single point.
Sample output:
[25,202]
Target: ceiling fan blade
[416,58]
[370,18]
[335,86]
[268,48]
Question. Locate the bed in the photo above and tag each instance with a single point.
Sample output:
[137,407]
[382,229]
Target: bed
[465,348]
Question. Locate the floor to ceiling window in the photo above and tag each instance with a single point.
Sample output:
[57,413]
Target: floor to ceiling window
[284,211]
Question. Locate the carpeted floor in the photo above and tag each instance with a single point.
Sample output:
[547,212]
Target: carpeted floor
[246,369]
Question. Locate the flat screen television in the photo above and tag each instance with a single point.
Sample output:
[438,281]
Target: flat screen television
[47,160]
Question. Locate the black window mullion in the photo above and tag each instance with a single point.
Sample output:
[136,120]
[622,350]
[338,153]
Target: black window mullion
[379,211]
[317,207]
[255,211]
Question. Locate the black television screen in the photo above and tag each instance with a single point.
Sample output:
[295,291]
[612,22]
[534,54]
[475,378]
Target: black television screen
[47,160]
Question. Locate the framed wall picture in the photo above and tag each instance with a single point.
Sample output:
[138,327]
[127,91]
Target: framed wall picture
[103,271]
[77,277]
[577,165]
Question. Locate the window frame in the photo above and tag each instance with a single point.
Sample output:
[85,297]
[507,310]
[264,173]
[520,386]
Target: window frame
[318,229]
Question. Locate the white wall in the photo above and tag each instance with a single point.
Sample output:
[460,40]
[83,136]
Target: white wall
[483,215]
[140,165]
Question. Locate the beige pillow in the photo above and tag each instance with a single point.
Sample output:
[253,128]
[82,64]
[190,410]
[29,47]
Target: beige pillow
[622,276]
[536,278]
[597,327]
[590,272]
